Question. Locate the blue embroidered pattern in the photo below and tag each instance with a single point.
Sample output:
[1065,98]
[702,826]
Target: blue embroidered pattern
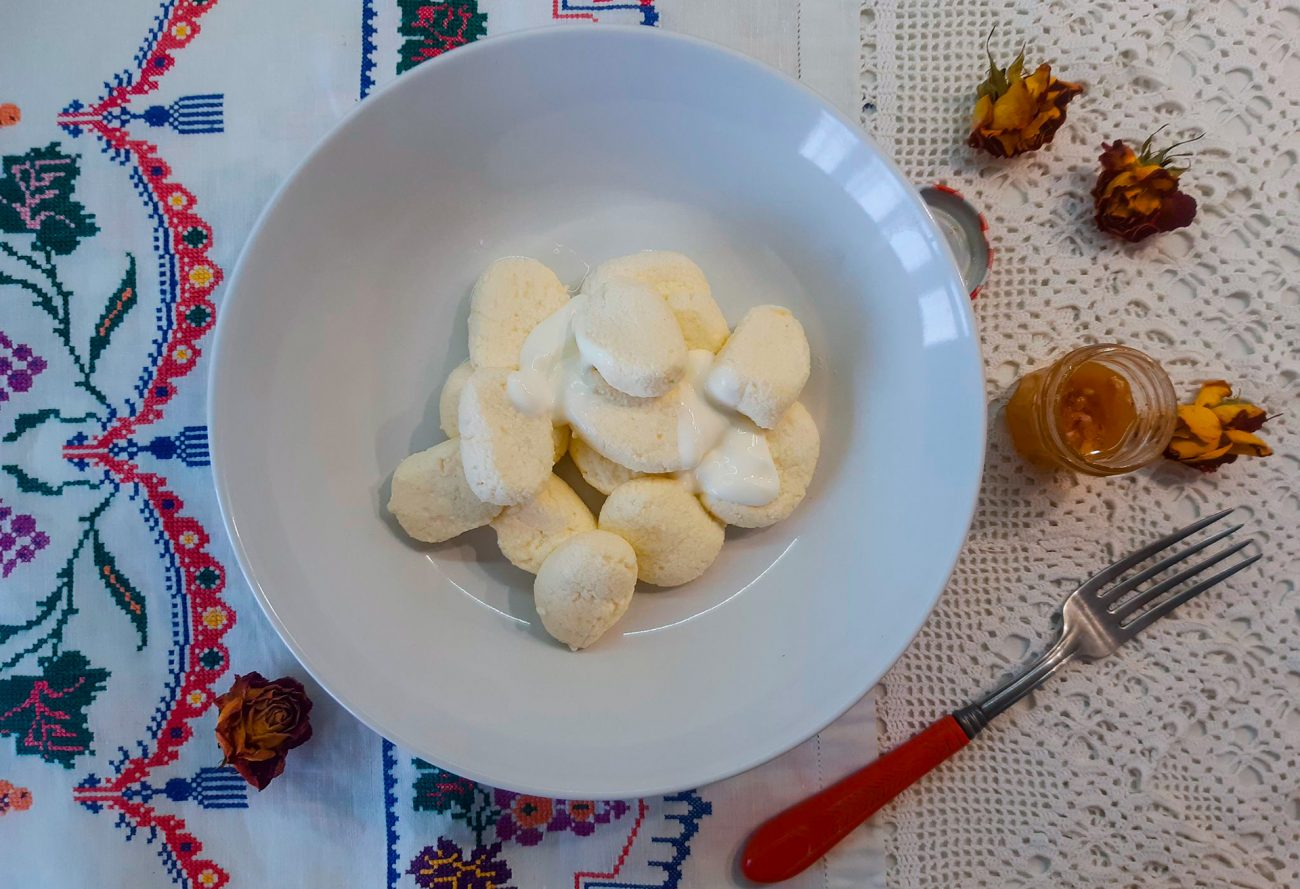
[368,33]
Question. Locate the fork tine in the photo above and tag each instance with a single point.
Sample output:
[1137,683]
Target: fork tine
[1163,565]
[1150,595]
[1106,575]
[1145,620]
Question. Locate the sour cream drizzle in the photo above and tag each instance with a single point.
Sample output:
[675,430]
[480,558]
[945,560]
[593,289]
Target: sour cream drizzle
[728,455]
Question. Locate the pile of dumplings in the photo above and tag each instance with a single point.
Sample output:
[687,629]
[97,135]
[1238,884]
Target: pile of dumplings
[652,339]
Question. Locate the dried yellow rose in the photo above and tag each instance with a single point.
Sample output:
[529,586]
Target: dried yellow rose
[1014,113]
[1216,429]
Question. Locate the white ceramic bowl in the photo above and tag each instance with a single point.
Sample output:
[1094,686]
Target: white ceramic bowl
[348,309]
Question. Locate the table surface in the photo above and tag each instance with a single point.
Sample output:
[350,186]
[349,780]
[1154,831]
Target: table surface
[150,133]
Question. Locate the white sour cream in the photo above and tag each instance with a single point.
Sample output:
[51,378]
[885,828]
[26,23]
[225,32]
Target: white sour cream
[728,455]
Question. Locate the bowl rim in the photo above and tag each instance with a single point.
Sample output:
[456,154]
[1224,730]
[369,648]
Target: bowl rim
[966,501]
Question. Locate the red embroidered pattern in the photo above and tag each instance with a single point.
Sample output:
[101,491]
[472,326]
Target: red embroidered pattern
[206,658]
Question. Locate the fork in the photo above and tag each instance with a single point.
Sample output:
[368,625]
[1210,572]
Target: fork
[1107,610]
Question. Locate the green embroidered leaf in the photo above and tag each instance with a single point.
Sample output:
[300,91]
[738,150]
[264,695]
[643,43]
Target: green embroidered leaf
[437,790]
[431,29]
[123,593]
[36,199]
[44,609]
[29,421]
[46,714]
[30,485]
[121,302]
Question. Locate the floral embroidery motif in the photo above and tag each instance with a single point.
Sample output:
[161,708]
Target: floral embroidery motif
[490,815]
[526,819]
[43,706]
[523,817]
[445,866]
[18,367]
[14,799]
[47,713]
[36,198]
[432,28]
[437,790]
[20,540]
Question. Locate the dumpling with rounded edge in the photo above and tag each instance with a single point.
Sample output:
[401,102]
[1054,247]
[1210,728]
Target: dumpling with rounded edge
[628,333]
[639,433]
[559,443]
[682,285]
[795,445]
[449,400]
[529,532]
[674,538]
[584,586]
[597,470]
[764,365]
[431,499]
[507,453]
[510,298]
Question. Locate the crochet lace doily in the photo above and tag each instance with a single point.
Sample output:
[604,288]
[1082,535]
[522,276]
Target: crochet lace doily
[1175,762]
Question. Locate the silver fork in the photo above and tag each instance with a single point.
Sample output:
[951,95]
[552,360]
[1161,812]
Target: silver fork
[1107,610]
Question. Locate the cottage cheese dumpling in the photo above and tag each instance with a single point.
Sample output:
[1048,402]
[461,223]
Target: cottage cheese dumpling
[764,365]
[682,285]
[639,433]
[795,446]
[684,425]
[507,453]
[584,587]
[674,538]
[628,333]
[509,300]
[431,499]
[529,532]
[597,470]
[449,410]
[559,443]
[449,400]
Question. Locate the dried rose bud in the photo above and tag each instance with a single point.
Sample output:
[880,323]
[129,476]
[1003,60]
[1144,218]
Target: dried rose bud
[1216,429]
[259,722]
[1014,114]
[1137,193]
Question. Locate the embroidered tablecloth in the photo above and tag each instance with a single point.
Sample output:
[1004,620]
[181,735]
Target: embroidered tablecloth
[140,140]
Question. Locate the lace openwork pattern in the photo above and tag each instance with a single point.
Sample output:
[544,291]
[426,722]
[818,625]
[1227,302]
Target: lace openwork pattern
[1175,762]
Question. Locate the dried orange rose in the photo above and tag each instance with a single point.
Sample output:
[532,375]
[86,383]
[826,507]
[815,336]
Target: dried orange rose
[1137,194]
[1216,429]
[1014,113]
[259,722]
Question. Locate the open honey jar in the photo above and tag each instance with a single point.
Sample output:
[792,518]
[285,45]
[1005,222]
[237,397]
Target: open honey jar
[1099,410]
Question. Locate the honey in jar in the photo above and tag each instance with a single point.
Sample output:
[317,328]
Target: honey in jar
[1100,410]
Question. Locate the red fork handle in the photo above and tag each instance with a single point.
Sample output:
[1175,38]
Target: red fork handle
[791,841]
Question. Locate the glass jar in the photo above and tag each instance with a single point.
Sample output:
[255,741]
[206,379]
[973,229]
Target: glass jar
[1100,410]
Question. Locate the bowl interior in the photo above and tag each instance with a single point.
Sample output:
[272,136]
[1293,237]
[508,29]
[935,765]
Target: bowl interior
[348,310]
